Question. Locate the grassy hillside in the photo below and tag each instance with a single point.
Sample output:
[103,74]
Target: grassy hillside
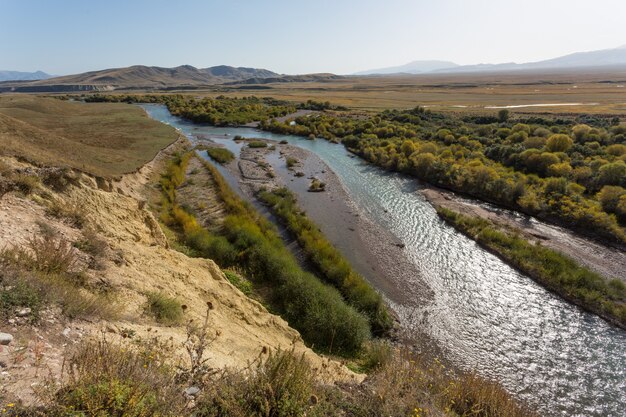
[105,139]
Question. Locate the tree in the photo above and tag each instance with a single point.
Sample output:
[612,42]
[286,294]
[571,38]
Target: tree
[503,116]
[609,197]
[612,174]
[559,143]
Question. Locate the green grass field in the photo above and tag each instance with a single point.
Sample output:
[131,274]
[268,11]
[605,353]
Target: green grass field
[103,139]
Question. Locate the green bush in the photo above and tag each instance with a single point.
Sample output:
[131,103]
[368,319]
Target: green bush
[257,144]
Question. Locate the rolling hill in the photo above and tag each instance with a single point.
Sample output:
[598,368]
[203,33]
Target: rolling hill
[139,77]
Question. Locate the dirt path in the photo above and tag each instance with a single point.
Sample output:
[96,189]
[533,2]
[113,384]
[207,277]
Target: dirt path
[607,261]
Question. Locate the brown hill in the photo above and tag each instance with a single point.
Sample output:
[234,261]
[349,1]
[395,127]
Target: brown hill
[139,77]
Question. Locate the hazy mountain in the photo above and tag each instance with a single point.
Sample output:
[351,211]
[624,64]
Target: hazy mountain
[415,67]
[19,76]
[605,57]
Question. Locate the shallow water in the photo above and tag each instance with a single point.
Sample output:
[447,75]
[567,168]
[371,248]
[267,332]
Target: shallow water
[485,315]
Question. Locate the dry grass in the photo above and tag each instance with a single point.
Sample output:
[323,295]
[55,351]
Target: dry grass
[48,272]
[73,214]
[446,92]
[100,138]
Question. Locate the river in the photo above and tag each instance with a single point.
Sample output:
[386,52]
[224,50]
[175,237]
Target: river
[485,316]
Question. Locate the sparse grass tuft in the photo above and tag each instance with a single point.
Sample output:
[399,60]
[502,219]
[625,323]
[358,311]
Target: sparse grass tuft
[163,308]
[26,183]
[280,385]
[238,281]
[51,255]
[72,213]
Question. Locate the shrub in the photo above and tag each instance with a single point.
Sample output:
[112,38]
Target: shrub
[279,386]
[316,185]
[257,144]
[115,380]
[291,162]
[164,309]
[16,293]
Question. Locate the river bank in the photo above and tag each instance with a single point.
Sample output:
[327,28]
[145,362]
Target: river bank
[606,261]
[335,213]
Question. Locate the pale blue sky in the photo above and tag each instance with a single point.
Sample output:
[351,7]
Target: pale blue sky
[291,36]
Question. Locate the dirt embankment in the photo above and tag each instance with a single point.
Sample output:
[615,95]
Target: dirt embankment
[607,261]
[136,261]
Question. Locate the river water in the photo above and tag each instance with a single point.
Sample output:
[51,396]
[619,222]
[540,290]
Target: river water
[485,315]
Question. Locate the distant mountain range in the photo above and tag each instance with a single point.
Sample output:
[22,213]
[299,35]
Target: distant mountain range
[415,67]
[141,77]
[20,76]
[605,57]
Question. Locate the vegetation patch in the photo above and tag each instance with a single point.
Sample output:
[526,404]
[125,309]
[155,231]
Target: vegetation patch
[556,271]
[257,144]
[248,241]
[221,155]
[317,186]
[219,111]
[165,309]
[333,267]
[291,162]
[239,281]
[46,273]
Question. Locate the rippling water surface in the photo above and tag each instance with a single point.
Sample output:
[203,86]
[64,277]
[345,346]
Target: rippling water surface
[487,316]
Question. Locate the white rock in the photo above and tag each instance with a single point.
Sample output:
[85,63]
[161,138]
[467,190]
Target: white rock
[66,332]
[23,312]
[5,338]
